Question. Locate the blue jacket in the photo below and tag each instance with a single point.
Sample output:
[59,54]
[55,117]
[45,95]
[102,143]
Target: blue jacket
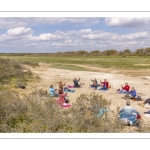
[52,91]
[128,111]
[132,93]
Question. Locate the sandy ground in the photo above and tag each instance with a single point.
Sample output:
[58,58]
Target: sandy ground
[50,76]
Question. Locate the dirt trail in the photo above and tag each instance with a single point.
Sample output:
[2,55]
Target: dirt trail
[49,76]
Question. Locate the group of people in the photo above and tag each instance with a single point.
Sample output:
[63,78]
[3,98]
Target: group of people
[104,85]
[61,92]
[126,113]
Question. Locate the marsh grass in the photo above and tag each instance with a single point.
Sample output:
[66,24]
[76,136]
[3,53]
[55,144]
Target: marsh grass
[68,67]
[130,62]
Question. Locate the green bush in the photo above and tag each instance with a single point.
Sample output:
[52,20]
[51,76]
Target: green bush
[12,72]
[35,113]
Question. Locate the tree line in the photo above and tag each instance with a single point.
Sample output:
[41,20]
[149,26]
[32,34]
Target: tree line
[124,53]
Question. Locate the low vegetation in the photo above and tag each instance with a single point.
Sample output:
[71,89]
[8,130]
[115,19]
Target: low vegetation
[13,74]
[36,113]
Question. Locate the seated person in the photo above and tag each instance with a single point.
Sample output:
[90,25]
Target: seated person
[124,89]
[132,93]
[61,87]
[62,96]
[147,101]
[52,91]
[75,81]
[104,85]
[129,113]
[94,83]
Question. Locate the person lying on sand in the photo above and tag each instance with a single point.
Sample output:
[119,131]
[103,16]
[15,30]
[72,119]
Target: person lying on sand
[76,84]
[124,89]
[104,84]
[94,83]
[53,91]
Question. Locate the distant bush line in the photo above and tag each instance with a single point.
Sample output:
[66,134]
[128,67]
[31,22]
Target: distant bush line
[124,53]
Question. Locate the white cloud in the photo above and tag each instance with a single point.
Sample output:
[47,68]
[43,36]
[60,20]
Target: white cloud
[137,35]
[13,22]
[85,31]
[18,31]
[101,36]
[47,37]
[127,21]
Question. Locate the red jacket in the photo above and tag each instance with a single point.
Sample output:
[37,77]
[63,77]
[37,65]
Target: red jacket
[127,87]
[105,84]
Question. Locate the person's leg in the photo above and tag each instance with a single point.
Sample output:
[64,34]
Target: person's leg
[56,95]
[123,91]
[103,88]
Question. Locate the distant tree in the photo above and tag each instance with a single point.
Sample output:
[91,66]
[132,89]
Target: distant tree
[81,53]
[126,52]
[95,53]
[110,52]
[147,51]
[140,52]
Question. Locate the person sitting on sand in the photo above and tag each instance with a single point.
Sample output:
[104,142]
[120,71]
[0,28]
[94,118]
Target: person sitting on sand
[129,113]
[76,84]
[62,96]
[52,91]
[147,101]
[132,93]
[94,83]
[61,87]
[124,89]
[104,85]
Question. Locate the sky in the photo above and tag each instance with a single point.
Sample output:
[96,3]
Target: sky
[60,34]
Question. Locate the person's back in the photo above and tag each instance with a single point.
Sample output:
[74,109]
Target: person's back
[128,112]
[62,97]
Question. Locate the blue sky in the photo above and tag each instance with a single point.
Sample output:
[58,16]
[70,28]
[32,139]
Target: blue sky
[53,34]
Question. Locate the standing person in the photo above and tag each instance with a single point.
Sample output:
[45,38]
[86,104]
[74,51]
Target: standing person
[104,85]
[124,89]
[75,81]
[52,91]
[94,83]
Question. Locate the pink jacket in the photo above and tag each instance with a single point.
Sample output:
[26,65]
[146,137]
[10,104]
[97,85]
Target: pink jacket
[62,98]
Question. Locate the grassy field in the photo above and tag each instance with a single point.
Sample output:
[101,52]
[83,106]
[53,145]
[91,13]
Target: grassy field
[132,62]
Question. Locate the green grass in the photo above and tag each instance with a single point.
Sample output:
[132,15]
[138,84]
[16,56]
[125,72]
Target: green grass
[68,67]
[132,62]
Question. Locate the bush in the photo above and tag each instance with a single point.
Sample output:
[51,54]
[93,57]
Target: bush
[13,72]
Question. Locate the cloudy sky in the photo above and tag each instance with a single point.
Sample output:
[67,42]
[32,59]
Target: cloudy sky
[54,34]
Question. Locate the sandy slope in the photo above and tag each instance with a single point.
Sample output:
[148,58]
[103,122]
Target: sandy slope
[53,76]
